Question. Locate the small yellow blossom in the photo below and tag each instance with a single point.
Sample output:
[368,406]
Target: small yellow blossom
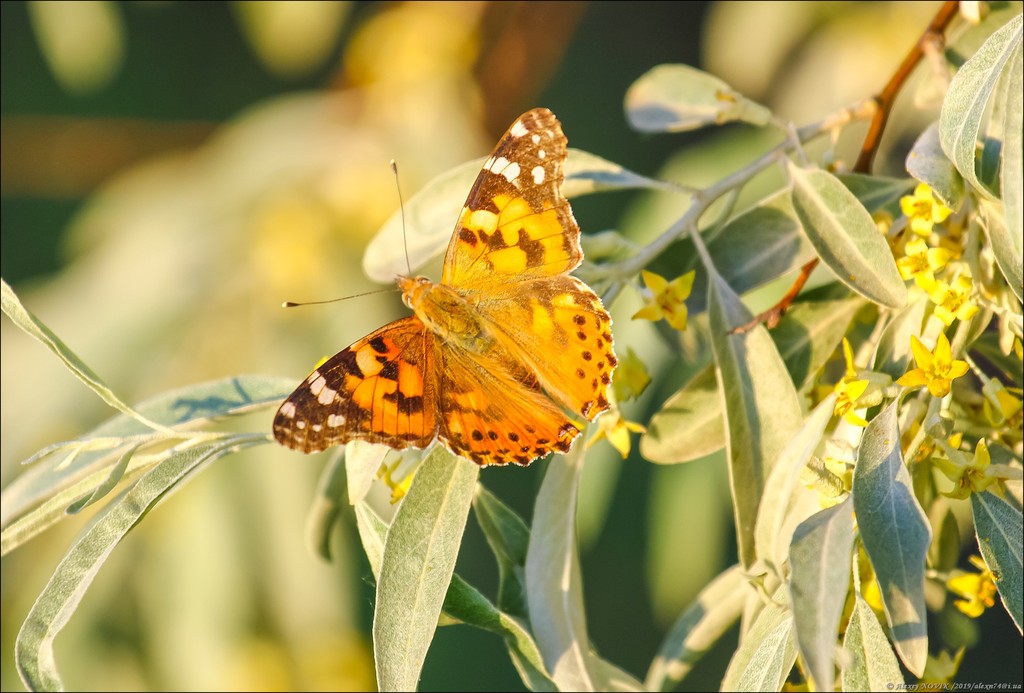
[883,222]
[943,667]
[969,473]
[631,377]
[922,210]
[953,301]
[978,590]
[973,473]
[857,389]
[921,263]
[397,471]
[1001,404]
[935,369]
[830,477]
[616,430]
[667,299]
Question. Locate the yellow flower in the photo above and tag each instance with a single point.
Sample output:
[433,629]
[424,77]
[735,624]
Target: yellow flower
[969,473]
[922,210]
[667,299]
[921,263]
[397,471]
[616,430]
[631,377]
[973,473]
[978,590]
[953,301]
[942,668]
[1001,405]
[935,369]
[857,389]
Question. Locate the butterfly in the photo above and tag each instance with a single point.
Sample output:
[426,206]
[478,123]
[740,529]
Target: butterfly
[499,350]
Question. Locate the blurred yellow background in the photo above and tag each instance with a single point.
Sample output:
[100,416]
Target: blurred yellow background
[172,171]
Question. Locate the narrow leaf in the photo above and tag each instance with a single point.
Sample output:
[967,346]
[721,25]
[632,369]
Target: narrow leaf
[698,628]
[755,247]
[327,506]
[766,653]
[190,406]
[964,108]
[846,238]
[76,571]
[1000,538]
[113,478]
[587,173]
[28,322]
[417,565]
[554,588]
[872,665]
[362,463]
[927,163]
[895,533]
[876,193]
[508,537]
[1006,247]
[810,333]
[1012,165]
[773,544]
[761,405]
[689,424]
[820,578]
[464,603]
[678,98]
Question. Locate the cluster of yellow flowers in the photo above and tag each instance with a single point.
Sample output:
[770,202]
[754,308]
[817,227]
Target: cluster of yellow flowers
[925,257]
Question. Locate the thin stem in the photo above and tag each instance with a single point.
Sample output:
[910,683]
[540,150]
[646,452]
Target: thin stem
[887,97]
[703,199]
[925,45]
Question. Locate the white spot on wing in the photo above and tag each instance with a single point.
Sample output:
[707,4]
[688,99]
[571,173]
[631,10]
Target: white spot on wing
[335,420]
[511,172]
[497,164]
[542,154]
[300,424]
[317,384]
[326,396]
[518,129]
[287,409]
[538,174]
[536,139]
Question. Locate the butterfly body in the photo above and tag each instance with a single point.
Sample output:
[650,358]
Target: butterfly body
[497,351]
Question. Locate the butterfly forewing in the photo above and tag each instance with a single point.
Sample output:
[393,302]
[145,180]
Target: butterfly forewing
[513,337]
[516,224]
[381,389]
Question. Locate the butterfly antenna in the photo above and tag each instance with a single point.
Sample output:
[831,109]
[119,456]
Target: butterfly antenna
[401,206]
[293,304]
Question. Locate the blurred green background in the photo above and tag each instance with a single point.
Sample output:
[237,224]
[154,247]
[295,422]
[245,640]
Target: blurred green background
[172,171]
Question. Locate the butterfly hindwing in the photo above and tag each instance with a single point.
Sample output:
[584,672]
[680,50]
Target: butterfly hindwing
[561,332]
[516,224]
[497,349]
[492,416]
[381,389]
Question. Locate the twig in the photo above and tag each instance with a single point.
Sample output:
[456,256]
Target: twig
[932,36]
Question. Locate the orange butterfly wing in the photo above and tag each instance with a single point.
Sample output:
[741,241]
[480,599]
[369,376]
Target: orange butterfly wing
[546,339]
[514,245]
[381,389]
[516,225]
